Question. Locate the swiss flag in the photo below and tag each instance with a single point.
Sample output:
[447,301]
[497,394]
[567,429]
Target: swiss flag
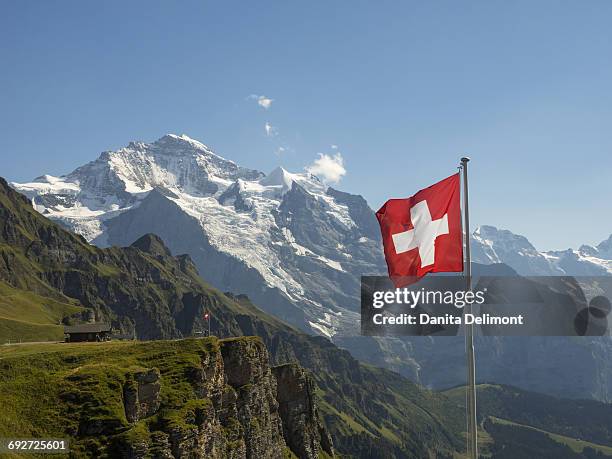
[422,234]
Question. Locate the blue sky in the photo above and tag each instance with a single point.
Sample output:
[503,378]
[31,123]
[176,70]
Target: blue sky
[402,88]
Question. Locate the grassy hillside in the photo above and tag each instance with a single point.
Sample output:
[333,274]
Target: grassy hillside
[27,316]
[522,424]
[53,389]
[80,391]
[512,436]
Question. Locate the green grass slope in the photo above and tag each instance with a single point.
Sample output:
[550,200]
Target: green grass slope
[27,316]
[512,436]
[522,424]
[58,389]
[50,389]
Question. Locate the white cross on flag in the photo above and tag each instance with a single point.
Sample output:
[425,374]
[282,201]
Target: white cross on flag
[422,234]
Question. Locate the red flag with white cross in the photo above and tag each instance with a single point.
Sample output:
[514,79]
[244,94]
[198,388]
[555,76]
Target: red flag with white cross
[422,234]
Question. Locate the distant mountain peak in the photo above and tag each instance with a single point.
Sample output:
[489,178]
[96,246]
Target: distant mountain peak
[604,248]
[588,250]
[170,137]
[279,177]
[182,140]
[492,232]
[152,244]
[493,245]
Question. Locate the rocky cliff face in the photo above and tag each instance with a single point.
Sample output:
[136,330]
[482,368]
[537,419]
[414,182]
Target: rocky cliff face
[297,408]
[141,395]
[244,420]
[221,399]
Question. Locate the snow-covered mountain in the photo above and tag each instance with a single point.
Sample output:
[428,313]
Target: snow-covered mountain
[491,245]
[294,245]
[117,181]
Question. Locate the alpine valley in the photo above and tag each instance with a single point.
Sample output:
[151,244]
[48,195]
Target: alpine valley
[297,248]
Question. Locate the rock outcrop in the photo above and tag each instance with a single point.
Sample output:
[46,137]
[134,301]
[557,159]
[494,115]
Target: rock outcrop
[302,428]
[242,409]
[141,395]
[253,401]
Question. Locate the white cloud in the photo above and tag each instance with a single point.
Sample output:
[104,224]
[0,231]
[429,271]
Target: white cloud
[328,168]
[262,101]
[334,147]
[280,150]
[271,131]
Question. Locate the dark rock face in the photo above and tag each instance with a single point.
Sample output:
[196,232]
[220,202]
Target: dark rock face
[152,244]
[359,211]
[141,395]
[184,235]
[248,372]
[302,428]
[232,196]
[53,201]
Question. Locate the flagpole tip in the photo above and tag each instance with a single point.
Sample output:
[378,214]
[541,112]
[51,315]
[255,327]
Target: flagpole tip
[465,159]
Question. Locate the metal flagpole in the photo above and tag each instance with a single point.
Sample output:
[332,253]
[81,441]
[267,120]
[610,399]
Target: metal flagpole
[469,329]
[207,319]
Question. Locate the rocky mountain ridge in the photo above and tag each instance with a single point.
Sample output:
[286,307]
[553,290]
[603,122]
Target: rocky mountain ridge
[492,245]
